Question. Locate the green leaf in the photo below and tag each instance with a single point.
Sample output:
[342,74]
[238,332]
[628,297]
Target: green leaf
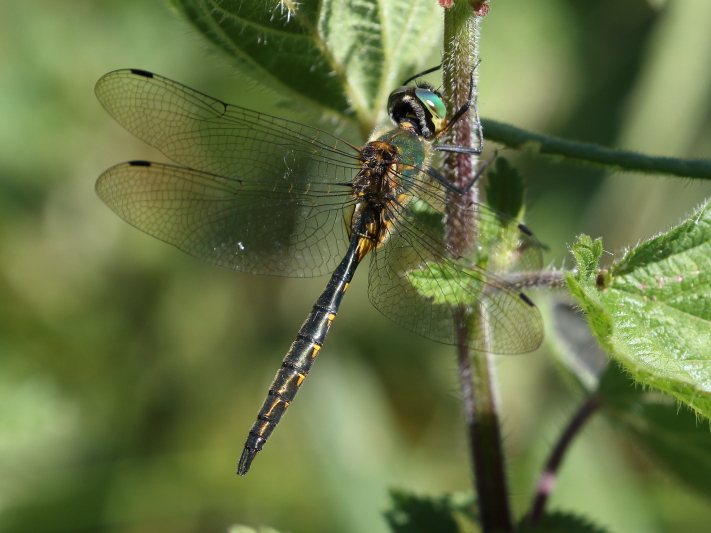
[674,436]
[505,190]
[558,522]
[429,282]
[587,256]
[582,285]
[424,514]
[651,312]
[336,56]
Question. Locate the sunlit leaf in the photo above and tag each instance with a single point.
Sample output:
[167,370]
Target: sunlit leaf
[651,312]
[442,282]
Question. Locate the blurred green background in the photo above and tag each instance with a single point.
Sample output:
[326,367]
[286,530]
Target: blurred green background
[130,373]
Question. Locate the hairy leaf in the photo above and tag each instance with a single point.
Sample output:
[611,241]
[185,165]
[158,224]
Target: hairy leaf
[652,311]
[337,56]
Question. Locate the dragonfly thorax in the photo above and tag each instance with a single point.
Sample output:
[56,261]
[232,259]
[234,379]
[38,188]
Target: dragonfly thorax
[376,188]
[378,178]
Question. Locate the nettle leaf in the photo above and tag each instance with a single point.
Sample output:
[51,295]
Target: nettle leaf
[442,282]
[337,56]
[411,513]
[652,311]
[587,256]
[559,522]
[673,435]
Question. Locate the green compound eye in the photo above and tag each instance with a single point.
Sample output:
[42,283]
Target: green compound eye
[433,103]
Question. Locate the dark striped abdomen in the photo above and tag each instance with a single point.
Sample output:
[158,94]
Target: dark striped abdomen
[298,360]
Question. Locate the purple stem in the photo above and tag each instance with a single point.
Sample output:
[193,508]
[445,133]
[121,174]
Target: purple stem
[550,474]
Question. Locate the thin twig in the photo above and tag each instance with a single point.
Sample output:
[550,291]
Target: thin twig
[549,475]
[592,154]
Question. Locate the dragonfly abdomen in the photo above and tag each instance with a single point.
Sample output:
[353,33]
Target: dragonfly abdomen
[298,360]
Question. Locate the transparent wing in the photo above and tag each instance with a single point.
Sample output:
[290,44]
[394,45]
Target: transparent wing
[416,280]
[273,228]
[265,195]
[206,134]
[258,181]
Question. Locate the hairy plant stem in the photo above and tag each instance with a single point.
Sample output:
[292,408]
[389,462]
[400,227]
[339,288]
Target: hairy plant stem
[549,474]
[487,455]
[461,30]
[551,279]
[592,154]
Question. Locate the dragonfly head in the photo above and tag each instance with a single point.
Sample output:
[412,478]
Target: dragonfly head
[420,105]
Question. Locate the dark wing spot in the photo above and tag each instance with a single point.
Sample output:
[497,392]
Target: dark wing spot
[143,73]
[140,163]
[526,299]
[525,230]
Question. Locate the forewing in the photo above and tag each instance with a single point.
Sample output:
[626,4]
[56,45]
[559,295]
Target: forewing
[208,135]
[270,227]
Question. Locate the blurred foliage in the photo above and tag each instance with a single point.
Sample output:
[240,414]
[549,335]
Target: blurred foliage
[130,373]
[564,523]
[676,437]
[245,529]
[410,513]
[505,190]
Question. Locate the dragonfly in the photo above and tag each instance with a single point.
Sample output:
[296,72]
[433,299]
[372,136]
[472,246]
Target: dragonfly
[264,195]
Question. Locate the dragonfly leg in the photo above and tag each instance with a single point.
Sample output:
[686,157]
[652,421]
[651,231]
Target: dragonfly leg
[470,103]
[436,175]
[424,72]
